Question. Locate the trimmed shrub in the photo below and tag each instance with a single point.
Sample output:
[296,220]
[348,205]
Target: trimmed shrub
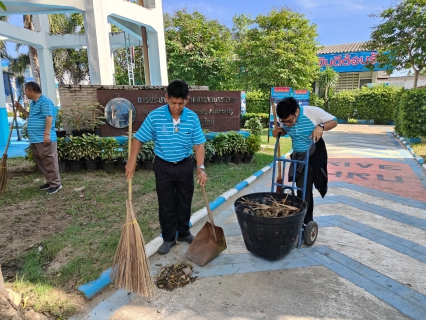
[341,104]
[315,100]
[412,113]
[263,117]
[257,102]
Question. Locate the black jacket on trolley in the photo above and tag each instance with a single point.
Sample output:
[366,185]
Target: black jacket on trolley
[317,161]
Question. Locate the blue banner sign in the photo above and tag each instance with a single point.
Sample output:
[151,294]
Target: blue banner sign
[348,61]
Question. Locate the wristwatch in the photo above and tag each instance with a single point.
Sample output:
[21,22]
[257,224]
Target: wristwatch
[202,167]
[321,125]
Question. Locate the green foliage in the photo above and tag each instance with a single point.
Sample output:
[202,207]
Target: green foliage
[236,143]
[198,50]
[29,154]
[257,101]
[263,117]
[3,6]
[76,149]
[59,119]
[146,153]
[62,145]
[209,150]
[253,144]
[377,103]
[315,100]
[412,108]
[277,49]
[341,104]
[220,143]
[109,147]
[401,37]
[120,64]
[93,146]
[254,125]
[328,79]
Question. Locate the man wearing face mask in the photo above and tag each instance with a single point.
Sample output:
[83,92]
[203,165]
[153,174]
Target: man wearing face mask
[175,130]
[305,125]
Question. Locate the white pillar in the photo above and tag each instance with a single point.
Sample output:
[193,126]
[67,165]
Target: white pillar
[4,124]
[98,46]
[157,58]
[47,75]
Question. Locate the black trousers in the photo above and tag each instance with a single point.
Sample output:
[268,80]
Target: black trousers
[309,196]
[175,188]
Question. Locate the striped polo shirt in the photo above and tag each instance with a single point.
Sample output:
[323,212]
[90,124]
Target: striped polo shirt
[309,117]
[172,142]
[36,122]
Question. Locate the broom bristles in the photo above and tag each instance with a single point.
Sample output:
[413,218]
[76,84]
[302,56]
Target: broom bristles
[3,174]
[131,269]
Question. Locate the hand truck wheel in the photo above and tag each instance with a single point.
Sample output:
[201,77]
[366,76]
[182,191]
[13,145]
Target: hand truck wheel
[310,233]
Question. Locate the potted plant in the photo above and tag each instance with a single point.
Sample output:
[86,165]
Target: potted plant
[252,146]
[220,144]
[76,153]
[62,146]
[93,147]
[95,118]
[147,155]
[59,123]
[109,147]
[76,118]
[237,144]
[209,152]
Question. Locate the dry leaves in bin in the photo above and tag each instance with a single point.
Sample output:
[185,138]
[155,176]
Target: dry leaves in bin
[175,276]
[274,209]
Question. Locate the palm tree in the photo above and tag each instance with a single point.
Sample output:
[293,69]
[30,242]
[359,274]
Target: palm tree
[35,68]
[17,69]
[328,78]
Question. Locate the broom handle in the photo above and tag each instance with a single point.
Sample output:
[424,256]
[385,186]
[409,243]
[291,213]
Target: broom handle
[129,150]
[10,131]
[209,212]
[279,149]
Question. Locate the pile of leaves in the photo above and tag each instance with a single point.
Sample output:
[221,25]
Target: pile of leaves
[273,209]
[175,276]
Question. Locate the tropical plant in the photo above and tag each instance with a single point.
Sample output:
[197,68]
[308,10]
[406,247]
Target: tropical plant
[93,146]
[400,40]
[17,69]
[29,154]
[236,143]
[146,153]
[63,149]
[76,149]
[209,150]
[109,147]
[328,78]
[95,116]
[76,117]
[253,143]
[254,126]
[59,119]
[220,143]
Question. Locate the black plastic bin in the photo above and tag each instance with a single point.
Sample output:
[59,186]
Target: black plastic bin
[270,238]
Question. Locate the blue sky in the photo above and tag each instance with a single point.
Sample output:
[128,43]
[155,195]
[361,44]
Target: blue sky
[337,22]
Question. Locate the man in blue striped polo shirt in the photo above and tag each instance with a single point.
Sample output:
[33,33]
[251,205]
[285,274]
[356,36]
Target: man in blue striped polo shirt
[305,125]
[41,131]
[175,130]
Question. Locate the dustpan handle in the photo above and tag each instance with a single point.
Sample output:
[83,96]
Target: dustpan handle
[129,150]
[209,212]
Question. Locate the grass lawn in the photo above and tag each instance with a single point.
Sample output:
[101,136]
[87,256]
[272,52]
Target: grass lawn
[51,244]
[420,149]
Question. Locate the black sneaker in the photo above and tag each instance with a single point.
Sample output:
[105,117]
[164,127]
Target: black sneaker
[165,247]
[54,189]
[45,186]
[188,239]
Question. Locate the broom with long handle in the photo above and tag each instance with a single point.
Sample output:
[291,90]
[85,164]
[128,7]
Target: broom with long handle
[279,176]
[3,164]
[131,270]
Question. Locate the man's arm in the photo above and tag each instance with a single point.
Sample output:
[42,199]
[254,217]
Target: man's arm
[21,109]
[133,155]
[199,156]
[47,129]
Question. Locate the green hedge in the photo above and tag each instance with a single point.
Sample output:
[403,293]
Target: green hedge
[411,121]
[257,102]
[341,104]
[263,117]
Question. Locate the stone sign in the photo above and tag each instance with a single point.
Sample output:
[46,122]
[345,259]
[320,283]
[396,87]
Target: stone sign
[218,110]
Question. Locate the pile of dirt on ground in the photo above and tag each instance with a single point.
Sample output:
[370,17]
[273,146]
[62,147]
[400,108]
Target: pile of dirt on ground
[175,276]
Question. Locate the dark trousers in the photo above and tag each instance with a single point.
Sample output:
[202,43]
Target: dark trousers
[175,188]
[46,158]
[308,196]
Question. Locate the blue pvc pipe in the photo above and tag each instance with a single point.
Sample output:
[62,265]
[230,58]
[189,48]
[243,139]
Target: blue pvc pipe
[4,127]
[93,287]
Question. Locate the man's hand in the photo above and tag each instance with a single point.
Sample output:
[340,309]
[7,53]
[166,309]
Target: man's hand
[317,134]
[130,170]
[46,138]
[201,177]
[276,131]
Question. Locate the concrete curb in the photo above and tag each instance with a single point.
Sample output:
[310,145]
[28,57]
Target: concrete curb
[91,288]
[407,145]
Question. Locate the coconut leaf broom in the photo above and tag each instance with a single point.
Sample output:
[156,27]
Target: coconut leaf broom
[131,270]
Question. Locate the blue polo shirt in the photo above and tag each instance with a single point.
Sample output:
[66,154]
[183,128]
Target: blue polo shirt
[36,122]
[170,144]
[309,117]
